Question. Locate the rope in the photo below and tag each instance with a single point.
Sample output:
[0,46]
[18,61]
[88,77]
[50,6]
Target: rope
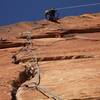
[26,49]
[78,6]
[36,79]
[37,82]
[48,94]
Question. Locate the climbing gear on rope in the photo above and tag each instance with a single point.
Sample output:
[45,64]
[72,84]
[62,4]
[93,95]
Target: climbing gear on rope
[15,60]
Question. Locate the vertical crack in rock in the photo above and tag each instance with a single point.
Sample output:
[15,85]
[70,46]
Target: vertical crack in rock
[23,76]
[34,83]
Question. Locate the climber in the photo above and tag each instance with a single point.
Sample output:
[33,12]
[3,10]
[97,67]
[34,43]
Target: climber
[51,14]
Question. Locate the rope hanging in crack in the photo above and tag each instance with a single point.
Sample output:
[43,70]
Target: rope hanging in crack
[78,6]
[25,50]
[34,82]
[37,83]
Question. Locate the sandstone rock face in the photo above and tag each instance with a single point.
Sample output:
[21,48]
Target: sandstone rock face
[68,54]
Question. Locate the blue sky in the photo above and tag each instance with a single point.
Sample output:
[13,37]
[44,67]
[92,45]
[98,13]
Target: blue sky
[12,11]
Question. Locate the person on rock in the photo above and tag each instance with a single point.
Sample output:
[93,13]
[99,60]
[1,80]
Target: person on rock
[51,14]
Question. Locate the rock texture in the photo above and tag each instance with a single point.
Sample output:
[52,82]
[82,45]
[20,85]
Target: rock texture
[69,57]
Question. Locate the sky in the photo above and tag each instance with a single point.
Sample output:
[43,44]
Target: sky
[12,11]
